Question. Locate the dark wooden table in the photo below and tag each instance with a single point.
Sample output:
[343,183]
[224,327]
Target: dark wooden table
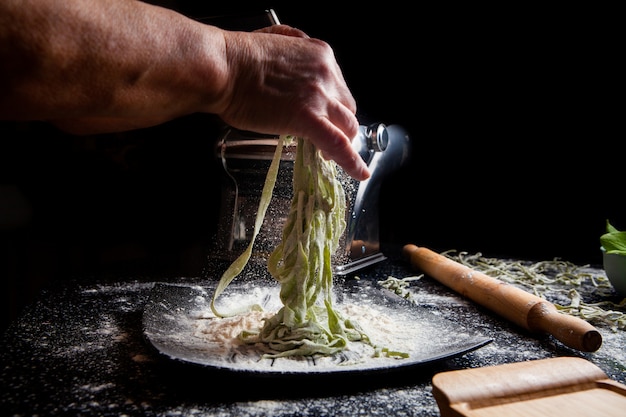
[80,350]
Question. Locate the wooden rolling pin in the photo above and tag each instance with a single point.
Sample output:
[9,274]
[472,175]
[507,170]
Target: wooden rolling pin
[522,308]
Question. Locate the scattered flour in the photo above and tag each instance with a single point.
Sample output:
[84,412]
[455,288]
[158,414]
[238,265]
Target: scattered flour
[195,334]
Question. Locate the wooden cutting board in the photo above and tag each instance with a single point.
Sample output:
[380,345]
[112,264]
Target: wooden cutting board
[565,386]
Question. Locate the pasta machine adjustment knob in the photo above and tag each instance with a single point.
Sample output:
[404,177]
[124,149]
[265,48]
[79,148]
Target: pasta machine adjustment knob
[377,137]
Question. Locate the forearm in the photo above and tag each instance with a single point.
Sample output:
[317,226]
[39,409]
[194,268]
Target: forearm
[100,66]
[136,53]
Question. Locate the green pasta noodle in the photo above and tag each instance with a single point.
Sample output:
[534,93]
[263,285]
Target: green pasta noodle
[301,263]
[239,264]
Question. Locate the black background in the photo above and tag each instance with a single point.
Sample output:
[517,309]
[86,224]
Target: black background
[512,111]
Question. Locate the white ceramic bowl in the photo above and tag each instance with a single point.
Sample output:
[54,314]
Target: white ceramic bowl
[615,269]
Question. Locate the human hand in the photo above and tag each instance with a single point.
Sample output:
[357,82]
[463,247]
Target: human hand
[283,82]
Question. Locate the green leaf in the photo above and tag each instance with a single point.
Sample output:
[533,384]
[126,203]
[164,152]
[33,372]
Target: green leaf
[610,228]
[613,241]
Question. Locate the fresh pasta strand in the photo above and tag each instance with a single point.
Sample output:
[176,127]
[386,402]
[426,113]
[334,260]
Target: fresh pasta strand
[266,196]
[301,263]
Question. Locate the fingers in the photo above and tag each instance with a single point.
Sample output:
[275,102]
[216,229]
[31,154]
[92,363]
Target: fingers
[338,146]
[341,113]
[334,144]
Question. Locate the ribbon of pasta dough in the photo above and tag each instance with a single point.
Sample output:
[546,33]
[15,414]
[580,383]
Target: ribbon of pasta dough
[266,196]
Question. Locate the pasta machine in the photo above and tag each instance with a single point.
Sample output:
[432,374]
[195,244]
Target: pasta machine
[246,156]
